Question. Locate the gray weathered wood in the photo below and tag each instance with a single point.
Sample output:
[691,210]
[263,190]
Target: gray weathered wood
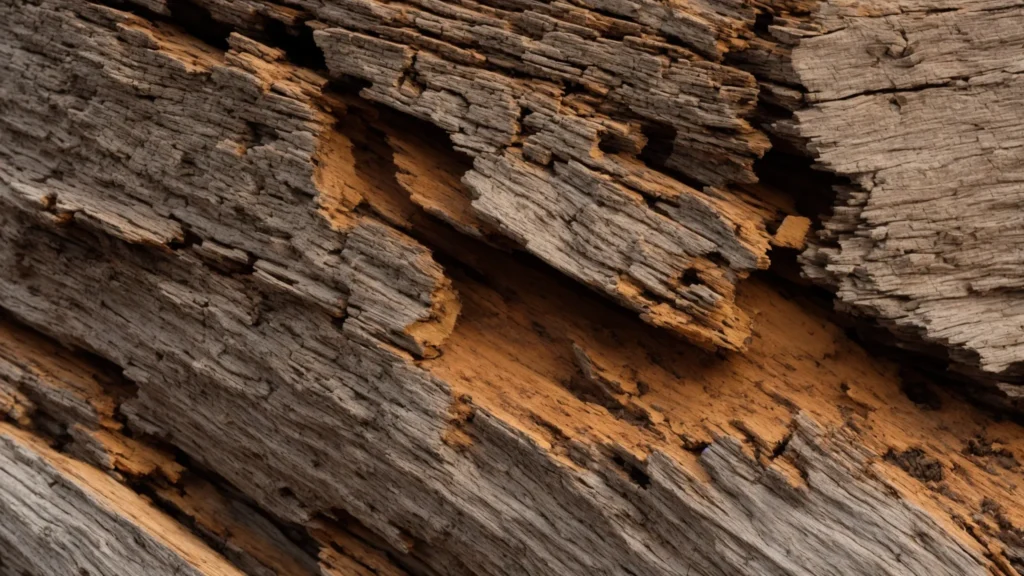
[919,106]
[61,516]
[251,250]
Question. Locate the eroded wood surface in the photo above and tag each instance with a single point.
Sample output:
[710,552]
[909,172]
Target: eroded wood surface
[61,516]
[915,104]
[304,300]
[83,494]
[918,106]
[556,104]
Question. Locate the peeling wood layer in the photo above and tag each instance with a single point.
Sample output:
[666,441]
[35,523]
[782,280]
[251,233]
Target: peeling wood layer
[556,104]
[918,106]
[305,301]
[105,481]
[915,105]
[64,517]
[570,115]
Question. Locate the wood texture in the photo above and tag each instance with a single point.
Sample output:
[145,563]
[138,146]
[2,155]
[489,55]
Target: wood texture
[109,501]
[555,104]
[63,517]
[361,371]
[918,107]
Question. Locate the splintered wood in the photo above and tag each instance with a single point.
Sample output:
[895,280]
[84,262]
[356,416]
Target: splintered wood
[555,103]
[142,524]
[920,107]
[458,288]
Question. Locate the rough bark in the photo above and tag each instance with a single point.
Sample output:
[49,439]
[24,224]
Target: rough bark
[337,320]
[63,517]
[917,105]
[112,502]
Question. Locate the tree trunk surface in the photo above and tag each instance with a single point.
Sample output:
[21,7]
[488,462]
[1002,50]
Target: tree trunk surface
[453,288]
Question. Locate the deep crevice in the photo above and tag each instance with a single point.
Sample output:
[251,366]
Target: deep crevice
[780,447]
[812,190]
[641,478]
[633,470]
[199,22]
[297,43]
[194,20]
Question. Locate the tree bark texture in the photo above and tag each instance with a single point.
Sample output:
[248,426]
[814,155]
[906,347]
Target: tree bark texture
[353,287]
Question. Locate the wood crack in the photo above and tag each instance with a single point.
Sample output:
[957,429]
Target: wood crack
[380,346]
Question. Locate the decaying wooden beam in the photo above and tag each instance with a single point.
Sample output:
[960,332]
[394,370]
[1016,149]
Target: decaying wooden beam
[61,516]
[112,503]
[327,339]
[555,105]
[918,107]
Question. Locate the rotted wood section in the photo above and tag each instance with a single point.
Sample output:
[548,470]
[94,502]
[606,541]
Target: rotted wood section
[437,288]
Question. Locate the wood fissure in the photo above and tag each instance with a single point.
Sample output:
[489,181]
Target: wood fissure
[496,81]
[917,106]
[469,349]
[61,398]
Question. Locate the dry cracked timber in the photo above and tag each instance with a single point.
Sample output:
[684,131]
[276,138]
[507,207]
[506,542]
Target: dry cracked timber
[81,494]
[918,107]
[915,106]
[327,311]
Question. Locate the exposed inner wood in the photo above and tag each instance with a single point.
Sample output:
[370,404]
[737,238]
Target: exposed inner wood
[54,396]
[62,516]
[918,106]
[407,352]
[554,104]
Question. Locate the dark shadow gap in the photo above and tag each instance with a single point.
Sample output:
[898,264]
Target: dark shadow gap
[297,43]
[812,191]
[199,22]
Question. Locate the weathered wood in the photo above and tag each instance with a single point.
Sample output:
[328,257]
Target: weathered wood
[50,391]
[555,103]
[262,257]
[919,106]
[45,386]
[61,516]
[661,480]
